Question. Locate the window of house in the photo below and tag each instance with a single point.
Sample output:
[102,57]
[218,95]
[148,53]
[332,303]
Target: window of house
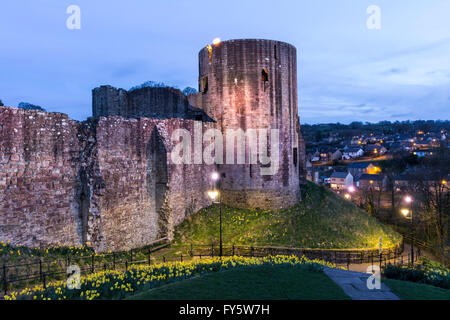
[275,52]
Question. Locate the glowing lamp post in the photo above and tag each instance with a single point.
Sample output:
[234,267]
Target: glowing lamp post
[215,176]
[213,195]
[408,214]
[405,212]
[348,196]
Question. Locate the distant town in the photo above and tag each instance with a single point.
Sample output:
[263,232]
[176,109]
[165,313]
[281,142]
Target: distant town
[378,166]
[357,154]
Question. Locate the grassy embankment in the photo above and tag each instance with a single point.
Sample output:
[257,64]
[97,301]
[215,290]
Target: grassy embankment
[321,220]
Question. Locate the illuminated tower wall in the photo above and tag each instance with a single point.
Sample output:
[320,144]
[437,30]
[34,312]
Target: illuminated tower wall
[252,84]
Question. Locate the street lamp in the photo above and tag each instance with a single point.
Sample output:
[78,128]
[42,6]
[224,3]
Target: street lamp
[348,196]
[213,195]
[405,212]
[215,176]
[408,213]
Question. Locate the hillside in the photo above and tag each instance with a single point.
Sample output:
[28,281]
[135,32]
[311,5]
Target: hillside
[321,220]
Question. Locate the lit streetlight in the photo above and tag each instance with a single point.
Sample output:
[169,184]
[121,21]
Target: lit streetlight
[213,195]
[215,176]
[348,196]
[405,212]
[408,214]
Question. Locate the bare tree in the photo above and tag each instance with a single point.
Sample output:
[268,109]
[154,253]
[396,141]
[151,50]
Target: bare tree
[431,205]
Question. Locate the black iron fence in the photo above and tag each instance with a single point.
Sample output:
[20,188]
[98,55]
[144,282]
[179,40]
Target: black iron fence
[338,257]
[42,271]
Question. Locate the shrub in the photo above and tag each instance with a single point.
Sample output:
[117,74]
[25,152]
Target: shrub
[426,271]
[29,106]
[189,90]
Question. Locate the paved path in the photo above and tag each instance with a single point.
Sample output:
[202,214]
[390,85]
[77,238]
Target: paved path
[354,285]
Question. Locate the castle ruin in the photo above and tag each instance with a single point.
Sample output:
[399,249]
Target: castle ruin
[109,180]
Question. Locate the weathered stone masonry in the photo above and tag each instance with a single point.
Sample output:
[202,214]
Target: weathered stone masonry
[109,180]
[252,84]
[69,182]
[39,165]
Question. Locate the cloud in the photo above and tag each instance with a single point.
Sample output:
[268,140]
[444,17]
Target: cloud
[345,71]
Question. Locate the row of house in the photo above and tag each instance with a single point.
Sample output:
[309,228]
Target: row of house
[361,175]
[344,180]
[421,143]
[329,153]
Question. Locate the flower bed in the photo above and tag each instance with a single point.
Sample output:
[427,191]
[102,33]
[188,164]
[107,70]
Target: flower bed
[427,272]
[118,285]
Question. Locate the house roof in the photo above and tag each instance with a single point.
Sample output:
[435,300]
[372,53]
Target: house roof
[341,175]
[353,149]
[403,177]
[372,147]
[374,177]
[359,165]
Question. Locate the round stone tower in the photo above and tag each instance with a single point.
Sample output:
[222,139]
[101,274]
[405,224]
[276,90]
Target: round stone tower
[251,84]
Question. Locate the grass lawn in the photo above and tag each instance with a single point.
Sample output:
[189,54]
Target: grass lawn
[321,220]
[406,290]
[260,283]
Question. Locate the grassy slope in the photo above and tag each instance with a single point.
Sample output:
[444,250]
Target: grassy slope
[250,284]
[406,290]
[321,220]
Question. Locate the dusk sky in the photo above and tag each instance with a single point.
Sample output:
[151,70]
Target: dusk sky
[346,72]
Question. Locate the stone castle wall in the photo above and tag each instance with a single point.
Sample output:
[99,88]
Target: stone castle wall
[146,102]
[123,200]
[39,165]
[110,181]
[69,182]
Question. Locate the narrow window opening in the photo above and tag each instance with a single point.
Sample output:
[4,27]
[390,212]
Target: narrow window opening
[204,85]
[295,157]
[265,77]
[275,52]
[251,171]
[210,53]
